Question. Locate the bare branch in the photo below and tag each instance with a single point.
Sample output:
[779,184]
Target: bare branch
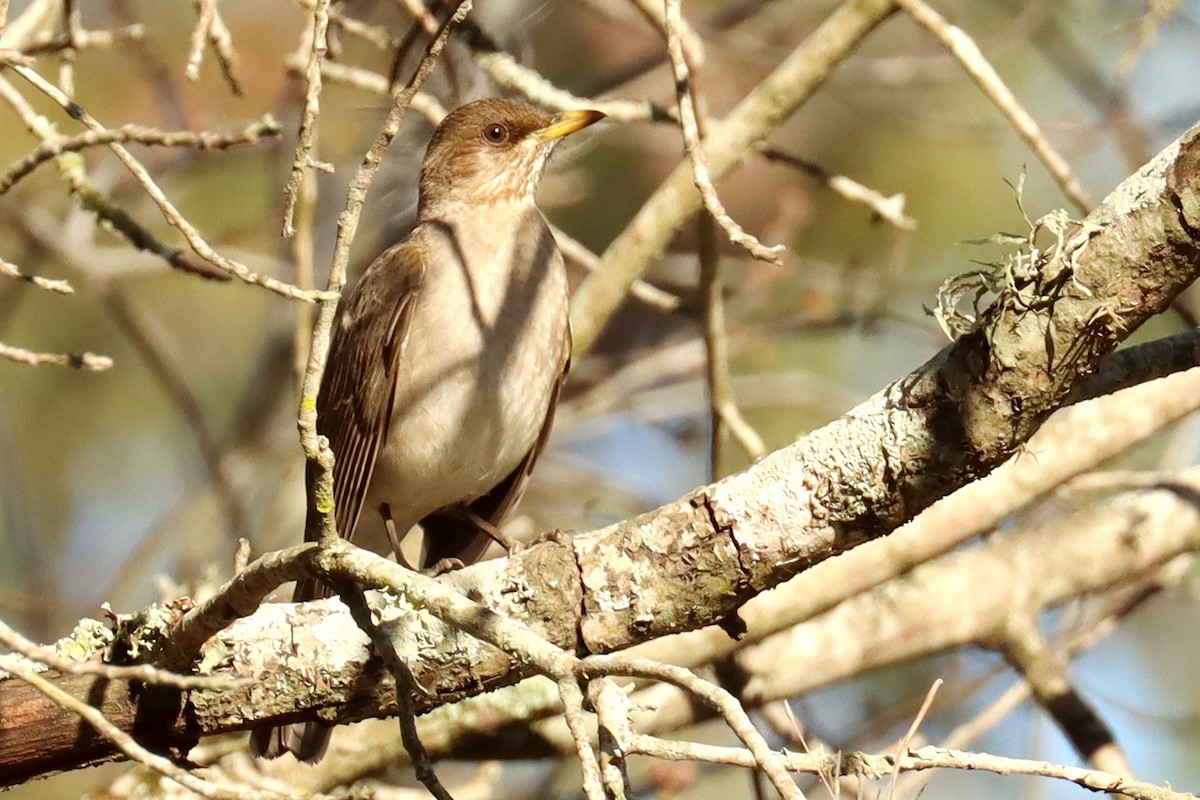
[888,208]
[962,47]
[922,759]
[93,199]
[612,707]
[575,251]
[206,10]
[303,160]
[406,688]
[50,285]
[85,361]
[695,150]
[142,672]
[724,413]
[1045,672]
[211,27]
[774,99]
[722,701]
[266,127]
[170,213]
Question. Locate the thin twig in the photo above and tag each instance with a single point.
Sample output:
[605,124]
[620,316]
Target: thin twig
[49,149]
[572,700]
[509,73]
[222,43]
[906,741]
[205,11]
[926,758]
[890,209]
[83,40]
[376,35]
[211,28]
[693,45]
[239,597]
[612,707]
[695,149]
[406,687]
[317,33]
[772,101]
[199,246]
[724,413]
[1145,31]
[87,361]
[36,20]
[341,561]
[574,250]
[92,199]
[66,66]
[963,48]
[145,673]
[712,695]
[241,556]
[50,285]
[368,81]
[303,242]
[15,57]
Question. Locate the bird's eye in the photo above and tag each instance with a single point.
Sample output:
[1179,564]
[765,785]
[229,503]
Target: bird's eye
[495,133]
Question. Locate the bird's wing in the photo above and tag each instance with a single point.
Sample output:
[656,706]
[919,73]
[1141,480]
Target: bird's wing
[452,534]
[354,407]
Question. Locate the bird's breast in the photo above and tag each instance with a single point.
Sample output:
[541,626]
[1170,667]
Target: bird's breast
[482,358]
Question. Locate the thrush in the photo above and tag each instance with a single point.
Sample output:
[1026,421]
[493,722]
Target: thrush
[445,368]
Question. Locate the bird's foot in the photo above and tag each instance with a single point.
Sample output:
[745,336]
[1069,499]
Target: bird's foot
[442,567]
[557,535]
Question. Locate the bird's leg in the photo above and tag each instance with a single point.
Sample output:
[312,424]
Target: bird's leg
[394,536]
[495,534]
[487,528]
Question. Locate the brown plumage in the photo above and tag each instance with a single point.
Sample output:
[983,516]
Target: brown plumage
[446,365]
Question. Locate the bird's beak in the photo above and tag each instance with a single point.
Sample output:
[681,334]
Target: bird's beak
[566,123]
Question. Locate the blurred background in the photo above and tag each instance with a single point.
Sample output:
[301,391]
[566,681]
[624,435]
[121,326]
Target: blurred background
[134,484]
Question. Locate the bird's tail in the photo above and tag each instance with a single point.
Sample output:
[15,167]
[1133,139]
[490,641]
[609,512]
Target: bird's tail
[448,535]
[307,741]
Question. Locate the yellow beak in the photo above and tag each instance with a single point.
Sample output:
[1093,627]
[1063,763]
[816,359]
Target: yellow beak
[566,123]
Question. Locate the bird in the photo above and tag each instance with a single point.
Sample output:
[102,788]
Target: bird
[445,368]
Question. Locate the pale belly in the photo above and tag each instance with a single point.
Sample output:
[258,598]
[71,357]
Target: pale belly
[466,415]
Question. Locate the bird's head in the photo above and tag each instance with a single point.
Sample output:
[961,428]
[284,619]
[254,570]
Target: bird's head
[492,151]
